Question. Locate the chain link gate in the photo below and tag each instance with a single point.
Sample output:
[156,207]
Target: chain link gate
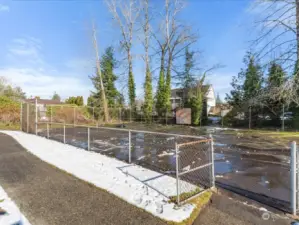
[194,168]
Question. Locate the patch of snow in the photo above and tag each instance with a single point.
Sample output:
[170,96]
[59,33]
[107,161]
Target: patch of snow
[139,186]
[263,209]
[170,138]
[164,153]
[13,214]
[187,168]
[141,157]
[102,143]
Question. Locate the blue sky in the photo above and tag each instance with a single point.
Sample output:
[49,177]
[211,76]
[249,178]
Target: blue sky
[46,45]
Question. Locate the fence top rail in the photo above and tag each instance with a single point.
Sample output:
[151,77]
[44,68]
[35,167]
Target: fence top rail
[195,142]
[71,106]
[203,139]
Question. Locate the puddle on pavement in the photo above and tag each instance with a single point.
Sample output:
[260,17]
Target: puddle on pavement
[219,156]
[220,144]
[223,167]
[251,172]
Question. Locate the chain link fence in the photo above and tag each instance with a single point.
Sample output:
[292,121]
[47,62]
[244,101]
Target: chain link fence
[179,166]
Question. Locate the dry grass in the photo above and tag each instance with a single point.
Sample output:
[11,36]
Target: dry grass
[7,126]
[199,202]
[266,139]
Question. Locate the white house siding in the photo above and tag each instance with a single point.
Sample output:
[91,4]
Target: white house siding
[211,100]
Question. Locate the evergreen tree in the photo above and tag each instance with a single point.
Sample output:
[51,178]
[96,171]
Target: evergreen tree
[160,96]
[196,100]
[131,89]
[56,97]
[167,89]
[75,100]
[246,87]
[148,96]
[167,92]
[276,75]
[108,64]
[276,78]
[235,98]
[186,78]
[253,78]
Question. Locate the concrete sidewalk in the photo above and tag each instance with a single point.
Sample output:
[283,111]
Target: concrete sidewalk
[48,196]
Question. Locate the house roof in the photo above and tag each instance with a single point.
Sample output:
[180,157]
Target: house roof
[178,92]
[44,101]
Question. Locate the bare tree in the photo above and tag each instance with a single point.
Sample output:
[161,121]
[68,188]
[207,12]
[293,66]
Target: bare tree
[99,72]
[126,13]
[278,31]
[148,93]
[278,40]
[176,37]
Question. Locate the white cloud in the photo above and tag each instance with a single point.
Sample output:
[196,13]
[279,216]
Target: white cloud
[29,70]
[38,83]
[4,8]
[29,47]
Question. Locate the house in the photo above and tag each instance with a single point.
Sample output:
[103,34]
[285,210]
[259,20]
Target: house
[220,110]
[179,95]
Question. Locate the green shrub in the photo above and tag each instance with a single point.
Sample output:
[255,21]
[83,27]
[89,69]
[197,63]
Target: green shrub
[9,111]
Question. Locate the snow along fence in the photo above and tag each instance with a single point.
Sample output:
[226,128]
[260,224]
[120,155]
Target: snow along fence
[186,162]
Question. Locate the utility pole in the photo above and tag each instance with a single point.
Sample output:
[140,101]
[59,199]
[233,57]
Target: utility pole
[106,114]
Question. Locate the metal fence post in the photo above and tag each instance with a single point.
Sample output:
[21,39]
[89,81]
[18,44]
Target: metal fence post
[88,139]
[51,119]
[297,177]
[212,160]
[130,146]
[35,116]
[27,117]
[64,133]
[130,114]
[48,132]
[93,114]
[293,178]
[177,173]
[74,115]
[21,117]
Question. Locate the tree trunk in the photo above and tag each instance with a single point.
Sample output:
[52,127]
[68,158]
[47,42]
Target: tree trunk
[106,113]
